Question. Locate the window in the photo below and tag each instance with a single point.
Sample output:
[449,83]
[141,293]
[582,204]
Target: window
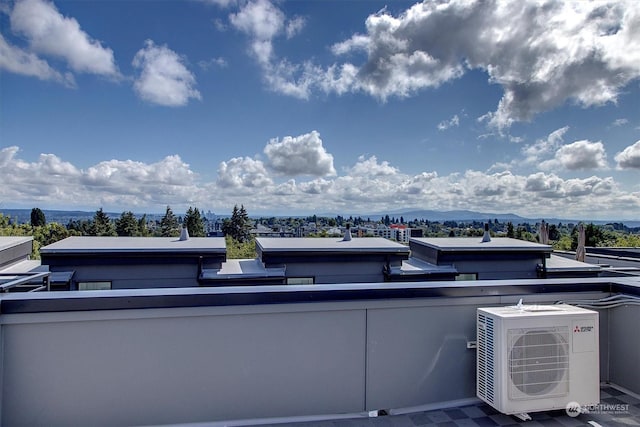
[94,286]
[467,276]
[300,280]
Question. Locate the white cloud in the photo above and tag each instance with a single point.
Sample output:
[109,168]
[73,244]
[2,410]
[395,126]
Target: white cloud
[542,54]
[127,184]
[242,173]
[300,155]
[446,124]
[218,62]
[221,3]
[629,158]
[50,181]
[620,122]
[50,33]
[261,21]
[544,147]
[294,26]
[163,79]
[16,60]
[578,155]
[371,168]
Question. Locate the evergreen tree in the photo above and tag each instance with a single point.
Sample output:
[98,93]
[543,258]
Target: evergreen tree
[102,225]
[143,230]
[510,230]
[127,224]
[238,225]
[169,224]
[37,218]
[194,223]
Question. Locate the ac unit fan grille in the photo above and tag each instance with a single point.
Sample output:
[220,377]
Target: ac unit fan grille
[538,362]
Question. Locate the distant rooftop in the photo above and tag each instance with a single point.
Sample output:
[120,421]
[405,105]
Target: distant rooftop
[331,244]
[561,264]
[7,242]
[476,244]
[90,244]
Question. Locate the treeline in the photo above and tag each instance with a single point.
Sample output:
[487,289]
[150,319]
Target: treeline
[240,243]
[129,225]
[101,224]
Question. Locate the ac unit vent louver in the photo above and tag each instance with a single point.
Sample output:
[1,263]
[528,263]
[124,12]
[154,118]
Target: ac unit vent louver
[485,357]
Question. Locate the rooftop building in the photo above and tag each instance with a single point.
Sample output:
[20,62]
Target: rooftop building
[474,258]
[17,271]
[331,260]
[133,262]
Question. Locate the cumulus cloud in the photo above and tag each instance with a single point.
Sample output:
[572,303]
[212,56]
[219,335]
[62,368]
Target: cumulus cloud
[127,184]
[553,187]
[446,124]
[261,21]
[370,168]
[243,172]
[300,155]
[578,155]
[19,61]
[164,79]
[50,33]
[629,158]
[368,186]
[544,147]
[55,182]
[542,54]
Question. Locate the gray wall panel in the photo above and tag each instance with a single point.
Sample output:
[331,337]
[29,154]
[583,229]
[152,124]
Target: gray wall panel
[418,355]
[624,354]
[169,370]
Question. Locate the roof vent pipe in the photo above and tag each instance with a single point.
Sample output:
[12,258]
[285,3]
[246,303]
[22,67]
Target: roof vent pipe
[486,237]
[184,234]
[347,234]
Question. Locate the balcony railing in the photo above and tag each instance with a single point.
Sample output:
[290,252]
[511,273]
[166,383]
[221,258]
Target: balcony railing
[162,356]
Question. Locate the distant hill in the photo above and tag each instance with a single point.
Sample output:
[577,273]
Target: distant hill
[63,217]
[458,215]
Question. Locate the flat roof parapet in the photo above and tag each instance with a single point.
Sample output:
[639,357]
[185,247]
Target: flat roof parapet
[336,245]
[135,245]
[474,244]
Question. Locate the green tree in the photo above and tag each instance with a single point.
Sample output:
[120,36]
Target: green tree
[169,224]
[37,217]
[510,231]
[143,229]
[240,250]
[102,225]
[127,224]
[238,225]
[194,223]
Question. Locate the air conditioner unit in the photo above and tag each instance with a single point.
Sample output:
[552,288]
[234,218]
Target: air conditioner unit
[534,358]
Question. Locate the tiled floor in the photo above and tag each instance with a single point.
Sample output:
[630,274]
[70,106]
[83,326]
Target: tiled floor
[481,415]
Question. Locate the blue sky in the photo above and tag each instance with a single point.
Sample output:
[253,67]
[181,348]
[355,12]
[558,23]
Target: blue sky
[296,107]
